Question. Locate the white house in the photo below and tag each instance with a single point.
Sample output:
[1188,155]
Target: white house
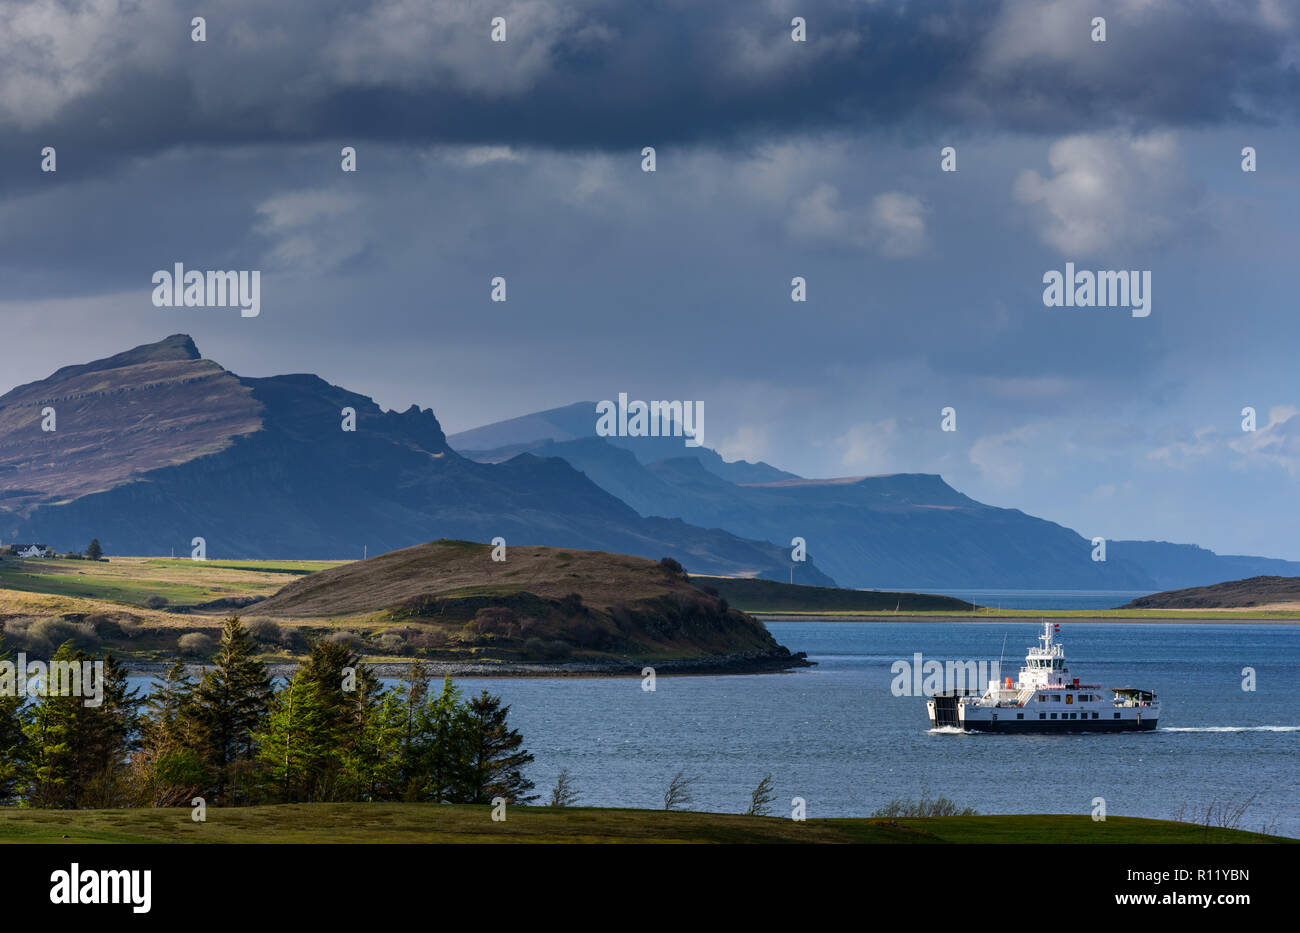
[33,550]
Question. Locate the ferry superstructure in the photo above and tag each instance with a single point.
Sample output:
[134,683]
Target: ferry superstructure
[1045,698]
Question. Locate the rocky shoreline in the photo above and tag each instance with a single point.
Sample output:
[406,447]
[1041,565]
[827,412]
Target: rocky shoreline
[743,663]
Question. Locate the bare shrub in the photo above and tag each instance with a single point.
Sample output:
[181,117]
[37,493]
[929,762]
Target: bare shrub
[393,642]
[196,644]
[351,639]
[156,602]
[495,620]
[925,807]
[679,791]
[266,631]
[48,634]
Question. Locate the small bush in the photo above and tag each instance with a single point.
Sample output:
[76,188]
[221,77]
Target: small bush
[351,639]
[672,567]
[196,644]
[156,602]
[925,807]
[266,631]
[392,642]
[48,634]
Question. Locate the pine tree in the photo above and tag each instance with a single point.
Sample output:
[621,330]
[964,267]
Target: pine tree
[94,551]
[13,740]
[230,703]
[319,738]
[168,770]
[446,746]
[79,752]
[496,756]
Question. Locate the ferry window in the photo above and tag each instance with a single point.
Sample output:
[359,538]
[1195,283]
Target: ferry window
[1095,715]
[1042,715]
[1020,715]
[1053,715]
[1056,698]
[1117,715]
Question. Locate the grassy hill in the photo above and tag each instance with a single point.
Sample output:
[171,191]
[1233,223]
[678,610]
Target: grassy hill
[539,604]
[429,823]
[446,601]
[1276,593]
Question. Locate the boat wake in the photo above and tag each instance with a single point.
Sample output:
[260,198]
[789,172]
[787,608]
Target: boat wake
[1230,729]
[947,730]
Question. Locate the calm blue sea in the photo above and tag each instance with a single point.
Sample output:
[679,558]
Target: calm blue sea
[836,736]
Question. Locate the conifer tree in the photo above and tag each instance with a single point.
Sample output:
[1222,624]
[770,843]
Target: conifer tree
[230,703]
[496,755]
[13,740]
[168,770]
[78,752]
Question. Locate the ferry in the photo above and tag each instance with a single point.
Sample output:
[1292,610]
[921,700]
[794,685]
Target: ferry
[1045,699]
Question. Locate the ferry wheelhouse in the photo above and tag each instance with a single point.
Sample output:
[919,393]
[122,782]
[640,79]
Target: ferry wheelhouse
[1045,698]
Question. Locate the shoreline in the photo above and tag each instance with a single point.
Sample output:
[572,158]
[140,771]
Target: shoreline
[1028,617]
[672,667]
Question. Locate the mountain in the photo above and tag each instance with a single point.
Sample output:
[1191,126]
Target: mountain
[1175,566]
[493,443]
[901,531]
[156,446]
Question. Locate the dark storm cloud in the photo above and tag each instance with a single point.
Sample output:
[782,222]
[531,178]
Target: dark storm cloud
[602,75]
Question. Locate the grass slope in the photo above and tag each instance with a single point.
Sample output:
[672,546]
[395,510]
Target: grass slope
[442,601]
[1255,592]
[132,580]
[384,823]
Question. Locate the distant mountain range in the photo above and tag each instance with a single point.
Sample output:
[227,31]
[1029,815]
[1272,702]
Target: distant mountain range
[156,446]
[902,531]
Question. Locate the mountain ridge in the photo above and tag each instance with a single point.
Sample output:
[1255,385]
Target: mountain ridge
[159,446]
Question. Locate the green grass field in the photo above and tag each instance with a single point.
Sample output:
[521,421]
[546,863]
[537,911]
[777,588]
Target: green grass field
[391,822]
[132,580]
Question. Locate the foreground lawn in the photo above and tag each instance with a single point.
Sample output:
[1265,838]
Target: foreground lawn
[389,822]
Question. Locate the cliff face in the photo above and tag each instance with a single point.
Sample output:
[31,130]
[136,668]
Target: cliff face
[157,446]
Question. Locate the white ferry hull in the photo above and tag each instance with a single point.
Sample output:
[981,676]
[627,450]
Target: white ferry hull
[1006,722]
[1045,700]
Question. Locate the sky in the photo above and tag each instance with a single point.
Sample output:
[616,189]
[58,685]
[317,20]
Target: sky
[774,159]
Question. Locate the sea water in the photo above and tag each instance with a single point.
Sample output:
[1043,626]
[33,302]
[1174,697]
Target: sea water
[837,736]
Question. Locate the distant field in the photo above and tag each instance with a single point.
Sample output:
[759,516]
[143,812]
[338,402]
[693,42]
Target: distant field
[132,580]
[389,822]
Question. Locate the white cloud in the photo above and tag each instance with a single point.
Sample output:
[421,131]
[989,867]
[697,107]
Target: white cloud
[866,447]
[1277,442]
[893,225]
[747,442]
[898,222]
[1000,457]
[1105,192]
[314,229]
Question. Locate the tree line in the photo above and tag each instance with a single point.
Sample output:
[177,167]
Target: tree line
[329,732]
